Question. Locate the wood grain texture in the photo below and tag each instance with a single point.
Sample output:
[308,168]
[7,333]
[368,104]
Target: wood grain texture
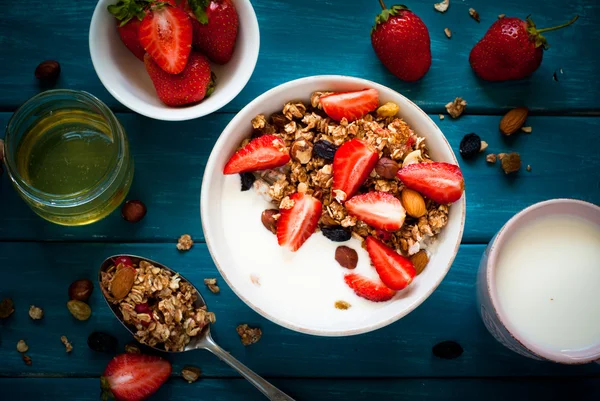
[176,389]
[40,273]
[170,160]
[302,38]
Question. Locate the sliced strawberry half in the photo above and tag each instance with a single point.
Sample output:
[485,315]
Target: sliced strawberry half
[394,270]
[378,209]
[350,105]
[441,182]
[166,35]
[352,164]
[133,377]
[298,223]
[262,153]
[369,289]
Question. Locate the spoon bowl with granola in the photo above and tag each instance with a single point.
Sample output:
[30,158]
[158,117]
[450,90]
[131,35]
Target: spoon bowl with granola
[332,205]
[164,311]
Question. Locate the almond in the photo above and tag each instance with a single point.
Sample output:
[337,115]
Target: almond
[419,260]
[122,282]
[413,202]
[513,120]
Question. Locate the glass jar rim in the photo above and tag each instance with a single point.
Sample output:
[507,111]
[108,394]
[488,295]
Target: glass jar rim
[74,199]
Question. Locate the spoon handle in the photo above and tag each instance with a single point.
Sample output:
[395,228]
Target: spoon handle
[272,392]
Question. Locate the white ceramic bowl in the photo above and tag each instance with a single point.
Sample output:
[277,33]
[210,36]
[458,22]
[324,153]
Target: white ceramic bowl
[222,250]
[125,76]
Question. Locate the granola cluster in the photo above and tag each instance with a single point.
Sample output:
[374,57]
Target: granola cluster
[312,137]
[160,306]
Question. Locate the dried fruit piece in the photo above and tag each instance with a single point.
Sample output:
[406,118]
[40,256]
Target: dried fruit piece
[325,150]
[81,290]
[442,6]
[190,373]
[447,350]
[22,346]
[79,310]
[389,109]
[456,107]
[133,211]
[102,342]
[301,151]
[470,145]
[247,180]
[35,312]
[342,305]
[6,308]
[125,261]
[413,203]
[27,360]
[48,70]
[387,168]
[68,345]
[211,283]
[185,243]
[511,163]
[513,120]
[248,335]
[419,261]
[269,219]
[336,234]
[474,14]
[346,257]
[122,282]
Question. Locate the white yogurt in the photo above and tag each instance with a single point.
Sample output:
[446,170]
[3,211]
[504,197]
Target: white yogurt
[548,282]
[304,284]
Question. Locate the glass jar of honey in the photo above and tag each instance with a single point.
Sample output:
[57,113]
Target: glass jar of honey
[68,157]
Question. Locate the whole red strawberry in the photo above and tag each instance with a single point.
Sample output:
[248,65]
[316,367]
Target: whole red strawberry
[401,41]
[510,49]
[215,25]
[193,84]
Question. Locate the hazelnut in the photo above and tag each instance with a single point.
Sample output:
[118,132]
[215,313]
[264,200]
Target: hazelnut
[386,168]
[48,70]
[269,219]
[81,290]
[346,257]
[301,151]
[133,211]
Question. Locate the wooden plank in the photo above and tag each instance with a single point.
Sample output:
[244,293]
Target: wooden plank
[326,38]
[580,389]
[40,273]
[170,160]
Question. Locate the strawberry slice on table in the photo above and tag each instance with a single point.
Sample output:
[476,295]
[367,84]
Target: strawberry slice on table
[378,209]
[129,14]
[441,182]
[352,164]
[394,270]
[133,377]
[350,105]
[262,153]
[215,24]
[193,84]
[166,34]
[299,222]
[369,289]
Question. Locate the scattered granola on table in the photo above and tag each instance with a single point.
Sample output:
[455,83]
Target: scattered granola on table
[132,348]
[448,32]
[68,345]
[27,360]
[6,308]
[211,284]
[22,346]
[456,107]
[442,6]
[191,373]
[248,335]
[35,313]
[474,14]
[511,163]
[185,243]
[159,306]
[491,158]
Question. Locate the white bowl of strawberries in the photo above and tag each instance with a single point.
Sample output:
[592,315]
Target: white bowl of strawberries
[174,59]
[332,205]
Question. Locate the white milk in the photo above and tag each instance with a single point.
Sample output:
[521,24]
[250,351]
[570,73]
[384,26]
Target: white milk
[548,282]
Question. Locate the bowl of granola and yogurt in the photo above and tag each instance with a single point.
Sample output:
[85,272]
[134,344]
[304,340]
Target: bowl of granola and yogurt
[332,205]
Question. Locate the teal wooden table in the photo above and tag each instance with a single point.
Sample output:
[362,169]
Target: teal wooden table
[38,260]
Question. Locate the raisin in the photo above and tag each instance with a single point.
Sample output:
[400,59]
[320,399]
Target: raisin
[247,180]
[336,234]
[346,257]
[102,342]
[325,149]
[470,146]
[447,350]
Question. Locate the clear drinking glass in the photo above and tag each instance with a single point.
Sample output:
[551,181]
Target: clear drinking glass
[68,157]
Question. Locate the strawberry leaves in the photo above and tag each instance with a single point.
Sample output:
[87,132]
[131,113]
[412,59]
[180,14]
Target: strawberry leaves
[198,7]
[125,10]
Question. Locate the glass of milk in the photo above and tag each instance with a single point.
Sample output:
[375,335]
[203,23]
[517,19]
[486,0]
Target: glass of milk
[538,284]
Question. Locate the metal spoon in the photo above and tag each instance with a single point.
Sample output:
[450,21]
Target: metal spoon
[203,340]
